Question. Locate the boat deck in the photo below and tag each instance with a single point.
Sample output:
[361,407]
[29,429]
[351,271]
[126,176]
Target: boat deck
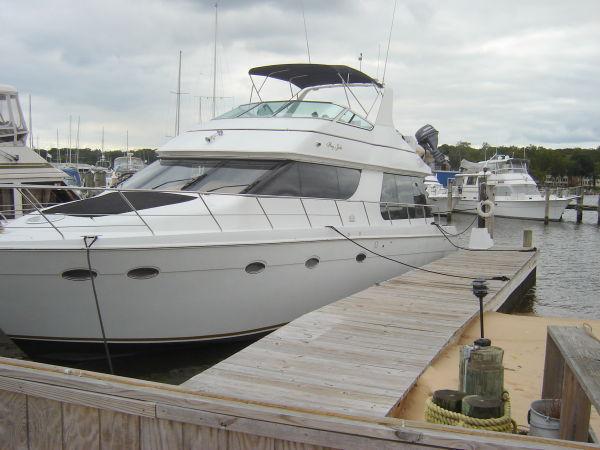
[361,355]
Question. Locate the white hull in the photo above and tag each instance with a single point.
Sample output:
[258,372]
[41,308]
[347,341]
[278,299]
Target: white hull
[519,209]
[202,292]
[440,204]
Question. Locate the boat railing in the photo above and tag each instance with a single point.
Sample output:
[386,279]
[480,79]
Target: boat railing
[410,211]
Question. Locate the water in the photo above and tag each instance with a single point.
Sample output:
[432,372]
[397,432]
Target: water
[568,274]
[568,285]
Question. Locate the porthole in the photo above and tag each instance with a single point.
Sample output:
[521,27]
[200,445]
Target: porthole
[255,267]
[78,274]
[311,263]
[143,273]
[361,257]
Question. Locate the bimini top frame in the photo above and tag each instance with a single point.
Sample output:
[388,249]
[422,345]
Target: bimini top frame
[307,76]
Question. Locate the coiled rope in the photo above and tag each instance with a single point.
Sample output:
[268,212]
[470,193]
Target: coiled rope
[504,424]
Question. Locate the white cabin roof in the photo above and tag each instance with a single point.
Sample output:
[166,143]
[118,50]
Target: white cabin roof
[7,89]
[21,164]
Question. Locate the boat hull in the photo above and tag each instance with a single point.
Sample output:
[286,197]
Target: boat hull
[519,209]
[202,293]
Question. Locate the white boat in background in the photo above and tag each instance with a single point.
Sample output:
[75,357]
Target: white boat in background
[228,233]
[437,195]
[515,192]
[124,167]
[19,164]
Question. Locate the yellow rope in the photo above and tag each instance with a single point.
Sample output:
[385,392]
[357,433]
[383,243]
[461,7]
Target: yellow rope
[505,424]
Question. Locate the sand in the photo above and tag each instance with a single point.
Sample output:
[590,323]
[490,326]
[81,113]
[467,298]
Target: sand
[523,339]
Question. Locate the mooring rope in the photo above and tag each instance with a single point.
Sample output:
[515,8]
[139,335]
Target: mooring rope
[92,276]
[496,278]
[437,414]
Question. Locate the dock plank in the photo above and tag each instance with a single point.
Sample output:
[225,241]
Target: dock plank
[362,354]
[45,423]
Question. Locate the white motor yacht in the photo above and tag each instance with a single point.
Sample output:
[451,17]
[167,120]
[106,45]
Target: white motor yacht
[437,195]
[228,233]
[124,167]
[515,192]
[19,164]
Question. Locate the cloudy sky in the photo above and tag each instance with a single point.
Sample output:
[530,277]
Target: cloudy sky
[504,72]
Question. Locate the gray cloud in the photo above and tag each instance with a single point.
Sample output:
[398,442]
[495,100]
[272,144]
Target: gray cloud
[506,72]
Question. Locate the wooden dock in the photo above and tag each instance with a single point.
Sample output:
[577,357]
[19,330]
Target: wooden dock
[326,381]
[361,355]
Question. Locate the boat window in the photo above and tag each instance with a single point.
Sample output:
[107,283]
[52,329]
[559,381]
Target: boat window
[235,112]
[298,179]
[231,177]
[400,190]
[472,180]
[316,110]
[4,115]
[266,109]
[351,118]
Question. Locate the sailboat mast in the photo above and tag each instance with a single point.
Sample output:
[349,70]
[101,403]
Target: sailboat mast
[77,141]
[70,146]
[102,151]
[214,105]
[57,147]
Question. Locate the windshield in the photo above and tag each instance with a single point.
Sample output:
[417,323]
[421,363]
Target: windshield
[209,175]
[237,111]
[317,110]
[125,163]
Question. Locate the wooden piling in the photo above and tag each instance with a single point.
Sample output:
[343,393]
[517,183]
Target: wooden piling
[580,206]
[482,197]
[490,194]
[547,209]
[598,210]
[527,238]
[449,206]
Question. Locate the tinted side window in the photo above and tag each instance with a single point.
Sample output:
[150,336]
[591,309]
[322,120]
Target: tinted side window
[420,198]
[390,193]
[348,180]
[284,182]
[319,181]
[311,180]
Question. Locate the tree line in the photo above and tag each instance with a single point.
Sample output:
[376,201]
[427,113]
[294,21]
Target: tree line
[572,162]
[92,156]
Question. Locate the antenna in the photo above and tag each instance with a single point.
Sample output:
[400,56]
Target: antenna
[214,103]
[387,53]
[127,141]
[360,62]
[305,32]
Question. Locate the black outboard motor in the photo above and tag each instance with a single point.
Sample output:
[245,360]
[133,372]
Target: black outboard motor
[427,137]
